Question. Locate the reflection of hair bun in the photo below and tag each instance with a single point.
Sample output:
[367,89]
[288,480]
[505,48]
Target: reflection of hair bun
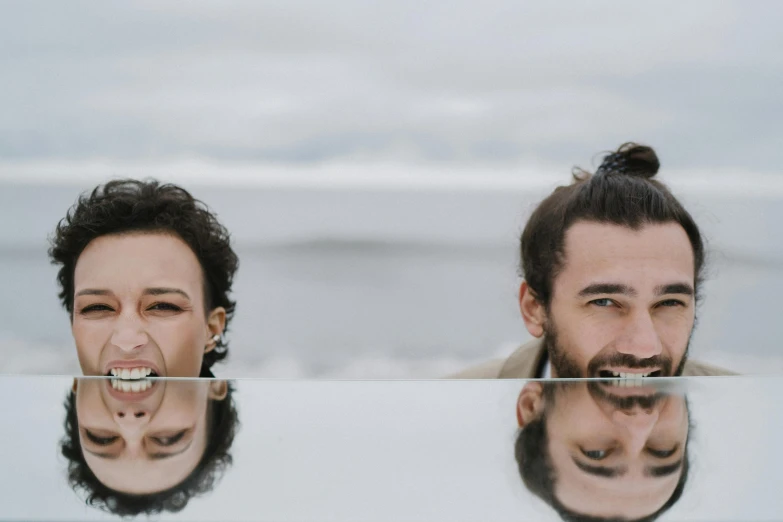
[631,159]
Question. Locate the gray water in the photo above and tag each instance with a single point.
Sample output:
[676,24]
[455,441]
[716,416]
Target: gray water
[367,295]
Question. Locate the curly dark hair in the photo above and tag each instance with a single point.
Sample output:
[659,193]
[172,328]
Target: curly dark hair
[531,451]
[222,425]
[128,205]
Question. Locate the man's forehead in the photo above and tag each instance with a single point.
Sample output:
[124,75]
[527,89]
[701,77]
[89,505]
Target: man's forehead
[599,250]
[634,495]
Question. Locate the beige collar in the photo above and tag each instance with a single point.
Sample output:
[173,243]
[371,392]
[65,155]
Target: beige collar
[524,362]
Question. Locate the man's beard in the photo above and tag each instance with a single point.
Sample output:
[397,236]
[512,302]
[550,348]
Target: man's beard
[565,367]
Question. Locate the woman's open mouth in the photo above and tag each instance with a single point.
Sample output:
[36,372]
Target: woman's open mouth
[127,374]
[131,380]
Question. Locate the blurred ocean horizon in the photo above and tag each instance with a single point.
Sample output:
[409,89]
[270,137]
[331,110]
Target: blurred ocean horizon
[390,280]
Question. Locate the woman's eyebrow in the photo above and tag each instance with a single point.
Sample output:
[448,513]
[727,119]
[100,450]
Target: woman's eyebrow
[110,456]
[163,291]
[93,291]
[160,456]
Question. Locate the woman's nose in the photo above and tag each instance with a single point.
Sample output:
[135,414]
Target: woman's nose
[128,334]
[132,416]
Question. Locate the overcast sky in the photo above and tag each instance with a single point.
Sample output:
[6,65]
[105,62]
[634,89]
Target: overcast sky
[486,83]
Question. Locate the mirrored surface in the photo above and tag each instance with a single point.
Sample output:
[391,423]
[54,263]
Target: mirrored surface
[682,449]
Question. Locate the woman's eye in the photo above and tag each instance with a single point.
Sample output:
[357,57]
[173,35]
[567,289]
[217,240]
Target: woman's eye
[166,307]
[595,454]
[96,308]
[169,441]
[100,441]
[602,302]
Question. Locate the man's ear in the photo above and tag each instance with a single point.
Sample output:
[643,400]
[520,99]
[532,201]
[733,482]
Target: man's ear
[533,311]
[218,390]
[530,403]
[216,323]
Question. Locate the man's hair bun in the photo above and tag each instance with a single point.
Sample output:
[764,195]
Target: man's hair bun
[631,159]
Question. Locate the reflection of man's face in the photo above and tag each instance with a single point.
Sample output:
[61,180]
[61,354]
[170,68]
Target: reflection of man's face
[143,442]
[615,451]
[622,303]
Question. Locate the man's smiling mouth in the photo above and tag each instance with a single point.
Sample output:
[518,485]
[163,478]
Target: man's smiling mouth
[628,379]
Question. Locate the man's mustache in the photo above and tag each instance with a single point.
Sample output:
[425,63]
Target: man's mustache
[601,391]
[629,361]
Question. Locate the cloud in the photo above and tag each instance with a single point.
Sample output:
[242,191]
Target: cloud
[405,82]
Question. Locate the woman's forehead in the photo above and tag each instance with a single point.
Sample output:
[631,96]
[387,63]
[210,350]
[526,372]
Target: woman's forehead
[134,260]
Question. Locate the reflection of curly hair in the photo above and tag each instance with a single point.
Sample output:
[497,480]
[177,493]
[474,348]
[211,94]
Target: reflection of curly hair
[128,205]
[222,423]
[535,467]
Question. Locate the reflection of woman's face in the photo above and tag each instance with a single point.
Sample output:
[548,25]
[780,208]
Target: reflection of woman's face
[143,442]
[139,303]
[613,456]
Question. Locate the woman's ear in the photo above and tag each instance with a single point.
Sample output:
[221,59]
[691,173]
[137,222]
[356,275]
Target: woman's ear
[530,404]
[218,390]
[216,323]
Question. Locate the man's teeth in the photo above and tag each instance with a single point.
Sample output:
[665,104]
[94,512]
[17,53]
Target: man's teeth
[623,375]
[131,386]
[131,373]
[629,379]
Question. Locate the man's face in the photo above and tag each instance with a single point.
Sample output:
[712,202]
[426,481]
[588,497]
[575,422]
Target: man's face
[144,442]
[615,451]
[623,302]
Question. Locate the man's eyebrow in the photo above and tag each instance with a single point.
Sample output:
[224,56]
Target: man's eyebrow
[607,288]
[163,291]
[109,456]
[599,471]
[663,471]
[161,456]
[674,288]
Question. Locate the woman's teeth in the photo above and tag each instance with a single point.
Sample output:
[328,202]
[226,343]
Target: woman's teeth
[134,386]
[130,373]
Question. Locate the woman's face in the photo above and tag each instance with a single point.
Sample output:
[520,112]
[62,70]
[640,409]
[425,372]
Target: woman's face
[139,305]
[144,442]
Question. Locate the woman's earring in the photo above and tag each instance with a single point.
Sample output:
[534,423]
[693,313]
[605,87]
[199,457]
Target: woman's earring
[216,338]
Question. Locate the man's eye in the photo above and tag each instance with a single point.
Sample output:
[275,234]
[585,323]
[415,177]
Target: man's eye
[661,454]
[671,302]
[602,302]
[165,307]
[96,308]
[595,454]
[169,441]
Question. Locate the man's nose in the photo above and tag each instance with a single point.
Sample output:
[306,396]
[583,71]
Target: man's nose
[640,337]
[639,424]
[129,333]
